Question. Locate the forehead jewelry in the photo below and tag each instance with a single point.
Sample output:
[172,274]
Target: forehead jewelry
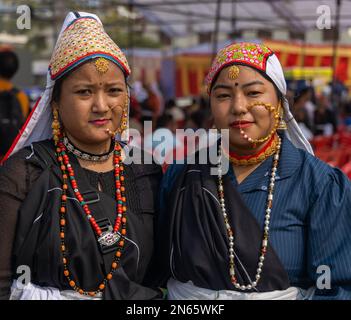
[101,65]
[233,72]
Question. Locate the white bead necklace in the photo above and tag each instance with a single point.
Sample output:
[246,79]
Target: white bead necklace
[266,223]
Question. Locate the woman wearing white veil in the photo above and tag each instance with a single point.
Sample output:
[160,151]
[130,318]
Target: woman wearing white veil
[72,211]
[263,229]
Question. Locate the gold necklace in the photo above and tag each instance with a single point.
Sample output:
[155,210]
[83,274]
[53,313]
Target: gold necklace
[269,149]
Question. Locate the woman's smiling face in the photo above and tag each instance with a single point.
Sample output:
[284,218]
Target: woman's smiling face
[231,105]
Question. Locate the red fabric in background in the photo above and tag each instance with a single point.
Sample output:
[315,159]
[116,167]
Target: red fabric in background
[326,61]
[291,60]
[278,54]
[193,83]
[309,61]
[342,68]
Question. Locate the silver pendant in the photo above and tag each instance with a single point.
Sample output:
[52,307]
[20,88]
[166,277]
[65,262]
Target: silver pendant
[108,238]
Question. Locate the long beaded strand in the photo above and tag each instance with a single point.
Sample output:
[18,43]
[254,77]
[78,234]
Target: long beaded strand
[67,171]
[266,223]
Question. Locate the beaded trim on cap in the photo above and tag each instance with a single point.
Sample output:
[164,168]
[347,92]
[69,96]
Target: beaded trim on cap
[251,54]
[85,38]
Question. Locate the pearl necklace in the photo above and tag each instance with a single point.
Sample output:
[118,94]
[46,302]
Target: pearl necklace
[266,227]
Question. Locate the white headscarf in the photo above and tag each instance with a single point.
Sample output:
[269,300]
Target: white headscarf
[38,125]
[275,72]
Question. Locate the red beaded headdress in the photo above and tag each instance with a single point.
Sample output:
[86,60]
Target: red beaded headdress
[250,54]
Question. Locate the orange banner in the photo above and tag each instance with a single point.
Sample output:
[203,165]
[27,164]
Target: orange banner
[191,67]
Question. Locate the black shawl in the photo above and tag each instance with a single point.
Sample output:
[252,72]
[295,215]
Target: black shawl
[192,242]
[37,242]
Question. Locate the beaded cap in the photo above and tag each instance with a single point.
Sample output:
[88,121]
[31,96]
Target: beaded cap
[83,39]
[245,53]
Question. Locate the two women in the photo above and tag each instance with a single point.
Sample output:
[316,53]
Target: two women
[81,219]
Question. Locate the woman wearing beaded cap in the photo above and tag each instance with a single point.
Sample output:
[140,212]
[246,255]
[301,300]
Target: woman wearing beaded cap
[277,225]
[72,212]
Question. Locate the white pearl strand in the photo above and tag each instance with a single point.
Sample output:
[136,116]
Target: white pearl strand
[266,223]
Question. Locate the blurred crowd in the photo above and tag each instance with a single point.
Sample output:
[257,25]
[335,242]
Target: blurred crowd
[148,103]
[324,116]
[319,114]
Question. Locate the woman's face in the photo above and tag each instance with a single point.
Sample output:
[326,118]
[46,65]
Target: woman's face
[91,102]
[230,101]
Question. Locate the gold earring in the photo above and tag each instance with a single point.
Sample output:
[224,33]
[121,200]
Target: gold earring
[282,124]
[56,127]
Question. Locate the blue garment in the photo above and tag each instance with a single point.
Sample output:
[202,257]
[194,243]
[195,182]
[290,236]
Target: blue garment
[310,223]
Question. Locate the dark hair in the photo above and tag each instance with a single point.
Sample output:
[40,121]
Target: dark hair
[56,92]
[277,91]
[8,64]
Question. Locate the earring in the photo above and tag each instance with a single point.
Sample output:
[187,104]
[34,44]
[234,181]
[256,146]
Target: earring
[56,127]
[282,124]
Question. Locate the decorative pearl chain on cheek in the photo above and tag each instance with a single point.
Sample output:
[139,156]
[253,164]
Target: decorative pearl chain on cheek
[230,232]
[271,109]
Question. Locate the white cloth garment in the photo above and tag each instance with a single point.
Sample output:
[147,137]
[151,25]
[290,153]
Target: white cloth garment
[188,291]
[275,72]
[31,291]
